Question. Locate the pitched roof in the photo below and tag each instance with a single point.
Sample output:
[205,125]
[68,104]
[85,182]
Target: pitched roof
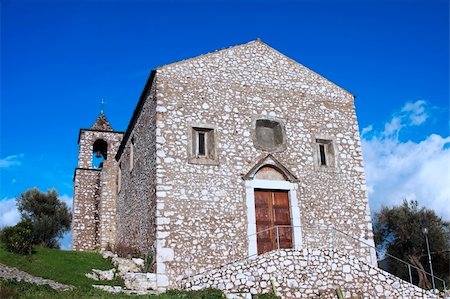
[102,124]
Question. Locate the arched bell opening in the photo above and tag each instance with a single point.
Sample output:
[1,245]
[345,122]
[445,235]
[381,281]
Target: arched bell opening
[99,153]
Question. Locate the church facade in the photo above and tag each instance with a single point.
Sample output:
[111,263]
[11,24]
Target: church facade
[228,155]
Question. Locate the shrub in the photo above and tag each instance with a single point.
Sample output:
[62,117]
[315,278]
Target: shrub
[18,238]
[149,261]
[125,250]
[7,291]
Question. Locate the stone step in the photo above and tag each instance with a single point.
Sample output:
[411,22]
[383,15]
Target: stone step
[238,295]
[119,289]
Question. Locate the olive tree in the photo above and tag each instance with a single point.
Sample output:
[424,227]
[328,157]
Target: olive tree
[50,217]
[400,231]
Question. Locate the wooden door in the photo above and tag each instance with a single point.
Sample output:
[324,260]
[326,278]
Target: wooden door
[272,210]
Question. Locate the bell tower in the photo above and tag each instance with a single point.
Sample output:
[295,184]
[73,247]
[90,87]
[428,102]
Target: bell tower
[94,198]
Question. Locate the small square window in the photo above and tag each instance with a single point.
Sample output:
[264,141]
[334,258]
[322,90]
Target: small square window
[325,155]
[203,148]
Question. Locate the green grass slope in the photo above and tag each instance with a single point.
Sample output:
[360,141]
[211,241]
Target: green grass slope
[70,267]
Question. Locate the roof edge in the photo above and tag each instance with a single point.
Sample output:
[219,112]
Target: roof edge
[257,40]
[136,114]
[206,54]
[309,69]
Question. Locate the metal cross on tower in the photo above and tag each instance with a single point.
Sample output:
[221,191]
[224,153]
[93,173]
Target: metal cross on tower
[102,105]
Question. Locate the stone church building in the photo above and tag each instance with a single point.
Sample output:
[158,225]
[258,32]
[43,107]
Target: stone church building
[227,157]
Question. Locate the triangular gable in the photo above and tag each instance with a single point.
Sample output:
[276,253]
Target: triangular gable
[269,160]
[101,124]
[258,44]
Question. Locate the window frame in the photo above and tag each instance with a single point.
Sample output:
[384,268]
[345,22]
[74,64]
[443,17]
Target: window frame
[209,154]
[325,153]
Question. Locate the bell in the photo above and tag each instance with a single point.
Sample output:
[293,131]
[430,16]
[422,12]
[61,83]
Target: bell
[98,154]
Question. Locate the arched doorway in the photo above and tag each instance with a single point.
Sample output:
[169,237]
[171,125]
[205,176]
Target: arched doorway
[272,208]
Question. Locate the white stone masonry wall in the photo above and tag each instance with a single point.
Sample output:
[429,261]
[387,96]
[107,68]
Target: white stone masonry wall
[200,205]
[136,200]
[94,200]
[85,210]
[107,205]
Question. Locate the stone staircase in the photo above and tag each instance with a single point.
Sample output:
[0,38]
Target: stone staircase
[307,273]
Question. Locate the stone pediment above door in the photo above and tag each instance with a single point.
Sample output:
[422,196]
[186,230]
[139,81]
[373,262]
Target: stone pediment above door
[269,168]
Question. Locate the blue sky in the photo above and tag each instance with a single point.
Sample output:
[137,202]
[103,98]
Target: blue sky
[59,58]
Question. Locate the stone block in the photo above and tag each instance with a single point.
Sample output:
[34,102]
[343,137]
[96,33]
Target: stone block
[140,281]
[164,254]
[125,265]
[105,275]
[139,262]
[162,280]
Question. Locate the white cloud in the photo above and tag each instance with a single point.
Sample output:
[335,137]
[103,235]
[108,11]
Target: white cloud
[67,199]
[366,130]
[9,214]
[411,114]
[398,170]
[10,161]
[415,113]
[393,127]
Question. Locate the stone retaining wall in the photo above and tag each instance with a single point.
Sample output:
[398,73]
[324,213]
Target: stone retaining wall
[305,274]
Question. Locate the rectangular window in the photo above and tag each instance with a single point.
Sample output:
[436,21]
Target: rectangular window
[203,145]
[325,153]
[203,141]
